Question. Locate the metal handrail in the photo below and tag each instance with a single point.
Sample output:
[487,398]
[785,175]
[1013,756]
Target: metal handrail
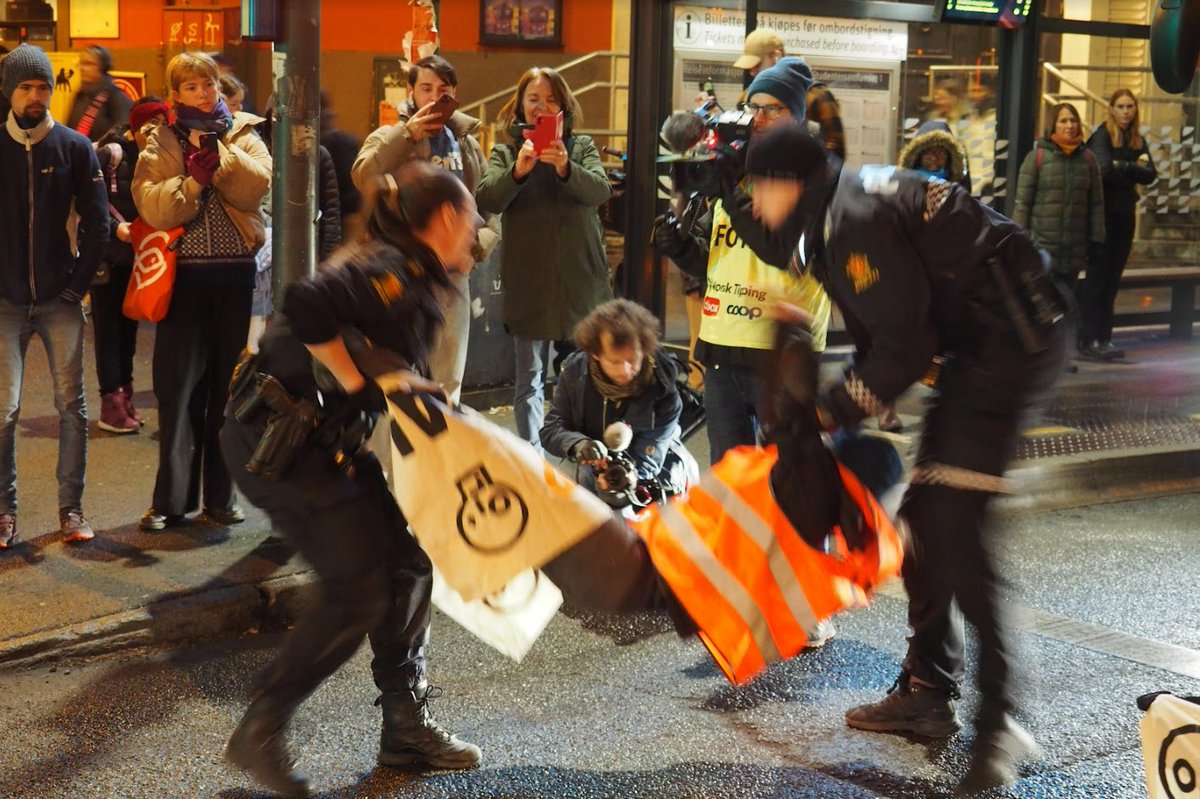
[504,93]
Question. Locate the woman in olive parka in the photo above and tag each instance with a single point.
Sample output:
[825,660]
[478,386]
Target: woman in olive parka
[552,260]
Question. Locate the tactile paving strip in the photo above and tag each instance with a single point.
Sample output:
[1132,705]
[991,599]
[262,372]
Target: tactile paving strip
[1093,420]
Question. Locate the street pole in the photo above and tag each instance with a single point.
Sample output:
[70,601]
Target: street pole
[294,136]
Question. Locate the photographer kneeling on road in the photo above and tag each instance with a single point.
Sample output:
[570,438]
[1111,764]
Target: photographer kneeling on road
[620,375]
[745,274]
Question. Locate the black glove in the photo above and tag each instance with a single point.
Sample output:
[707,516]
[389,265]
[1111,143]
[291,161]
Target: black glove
[669,238]
[588,450]
[369,399]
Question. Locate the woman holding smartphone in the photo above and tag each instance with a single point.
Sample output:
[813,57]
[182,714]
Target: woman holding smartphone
[208,171]
[552,260]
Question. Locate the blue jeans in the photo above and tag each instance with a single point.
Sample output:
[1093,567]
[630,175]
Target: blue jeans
[60,326]
[529,399]
[731,394]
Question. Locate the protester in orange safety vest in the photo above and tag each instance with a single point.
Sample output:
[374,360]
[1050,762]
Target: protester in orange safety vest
[771,543]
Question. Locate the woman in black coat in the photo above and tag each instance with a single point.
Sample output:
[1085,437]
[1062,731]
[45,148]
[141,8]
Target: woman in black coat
[1125,163]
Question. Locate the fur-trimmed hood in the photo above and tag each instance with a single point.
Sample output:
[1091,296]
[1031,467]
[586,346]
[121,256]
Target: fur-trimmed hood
[936,133]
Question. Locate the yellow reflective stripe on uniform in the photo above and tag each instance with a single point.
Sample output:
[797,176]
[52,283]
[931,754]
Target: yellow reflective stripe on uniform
[722,581]
[758,531]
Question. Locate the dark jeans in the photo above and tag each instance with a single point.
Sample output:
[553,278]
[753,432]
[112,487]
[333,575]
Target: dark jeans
[731,394]
[115,333]
[1099,291]
[374,579]
[196,347]
[969,436]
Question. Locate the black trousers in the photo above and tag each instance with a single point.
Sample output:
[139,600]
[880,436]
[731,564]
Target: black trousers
[115,333]
[195,349]
[969,436]
[374,579]
[1099,290]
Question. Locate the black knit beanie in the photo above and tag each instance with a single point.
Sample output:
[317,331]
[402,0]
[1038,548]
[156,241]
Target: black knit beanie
[786,152]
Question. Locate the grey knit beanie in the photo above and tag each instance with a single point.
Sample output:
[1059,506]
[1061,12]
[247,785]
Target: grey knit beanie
[27,62]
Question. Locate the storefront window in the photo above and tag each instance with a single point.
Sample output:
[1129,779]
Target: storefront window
[952,75]
[1132,12]
[1085,71]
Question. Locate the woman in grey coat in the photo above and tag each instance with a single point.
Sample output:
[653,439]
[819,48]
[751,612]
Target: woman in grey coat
[552,261]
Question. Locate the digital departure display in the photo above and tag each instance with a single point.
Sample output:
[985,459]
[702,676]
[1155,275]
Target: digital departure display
[1005,13]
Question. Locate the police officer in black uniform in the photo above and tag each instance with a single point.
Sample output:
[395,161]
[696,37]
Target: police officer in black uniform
[299,413]
[925,275]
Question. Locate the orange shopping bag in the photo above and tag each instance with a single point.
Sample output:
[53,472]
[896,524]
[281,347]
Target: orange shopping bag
[149,293]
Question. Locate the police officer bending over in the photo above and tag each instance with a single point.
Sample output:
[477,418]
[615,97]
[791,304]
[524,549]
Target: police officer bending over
[298,415]
[921,271]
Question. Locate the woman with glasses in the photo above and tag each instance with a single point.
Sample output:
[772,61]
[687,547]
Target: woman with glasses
[552,259]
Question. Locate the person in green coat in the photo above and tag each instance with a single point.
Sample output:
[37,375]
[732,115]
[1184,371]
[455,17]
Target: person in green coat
[1060,196]
[552,261]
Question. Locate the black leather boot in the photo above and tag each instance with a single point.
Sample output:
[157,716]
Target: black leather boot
[413,739]
[257,747]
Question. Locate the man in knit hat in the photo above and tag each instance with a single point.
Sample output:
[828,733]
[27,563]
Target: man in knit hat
[45,169]
[932,285]
[744,268]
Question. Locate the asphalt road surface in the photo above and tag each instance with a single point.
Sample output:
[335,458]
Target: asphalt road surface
[1103,600]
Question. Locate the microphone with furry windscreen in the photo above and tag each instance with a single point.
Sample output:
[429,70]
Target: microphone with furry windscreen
[683,130]
[618,436]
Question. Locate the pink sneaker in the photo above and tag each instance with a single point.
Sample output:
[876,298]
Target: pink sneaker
[113,416]
[126,392]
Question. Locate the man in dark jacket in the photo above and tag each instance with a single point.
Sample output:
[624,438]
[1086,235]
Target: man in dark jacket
[99,106]
[44,168]
[619,374]
[931,284]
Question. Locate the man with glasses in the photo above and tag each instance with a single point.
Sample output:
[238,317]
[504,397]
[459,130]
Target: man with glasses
[743,286]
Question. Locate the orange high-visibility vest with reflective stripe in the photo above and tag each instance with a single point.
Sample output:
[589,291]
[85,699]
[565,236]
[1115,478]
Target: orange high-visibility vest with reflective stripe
[752,585]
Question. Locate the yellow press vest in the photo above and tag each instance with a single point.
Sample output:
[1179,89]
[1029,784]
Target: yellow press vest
[742,290]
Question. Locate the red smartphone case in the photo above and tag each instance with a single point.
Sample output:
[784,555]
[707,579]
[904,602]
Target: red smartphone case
[546,129]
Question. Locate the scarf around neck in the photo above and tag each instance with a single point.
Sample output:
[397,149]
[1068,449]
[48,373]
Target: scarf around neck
[28,136]
[218,121]
[1068,145]
[610,390]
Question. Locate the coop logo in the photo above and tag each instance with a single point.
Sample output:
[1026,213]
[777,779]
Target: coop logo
[712,306]
[744,310]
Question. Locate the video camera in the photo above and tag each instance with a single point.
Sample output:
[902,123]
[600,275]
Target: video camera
[620,473]
[704,149]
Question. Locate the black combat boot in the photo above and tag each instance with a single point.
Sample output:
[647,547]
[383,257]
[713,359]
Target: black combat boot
[909,707]
[996,754]
[257,747]
[413,739]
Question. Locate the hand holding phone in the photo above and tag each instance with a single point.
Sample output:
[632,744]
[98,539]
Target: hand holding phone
[208,141]
[445,107]
[546,129]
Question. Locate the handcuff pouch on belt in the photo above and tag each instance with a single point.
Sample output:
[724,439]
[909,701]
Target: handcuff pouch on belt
[290,420]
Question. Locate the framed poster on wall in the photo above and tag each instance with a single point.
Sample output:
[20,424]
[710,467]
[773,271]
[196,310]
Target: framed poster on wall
[521,23]
[390,90]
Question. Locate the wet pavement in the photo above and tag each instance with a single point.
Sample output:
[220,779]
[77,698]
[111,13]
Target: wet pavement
[1101,601]
[624,708]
